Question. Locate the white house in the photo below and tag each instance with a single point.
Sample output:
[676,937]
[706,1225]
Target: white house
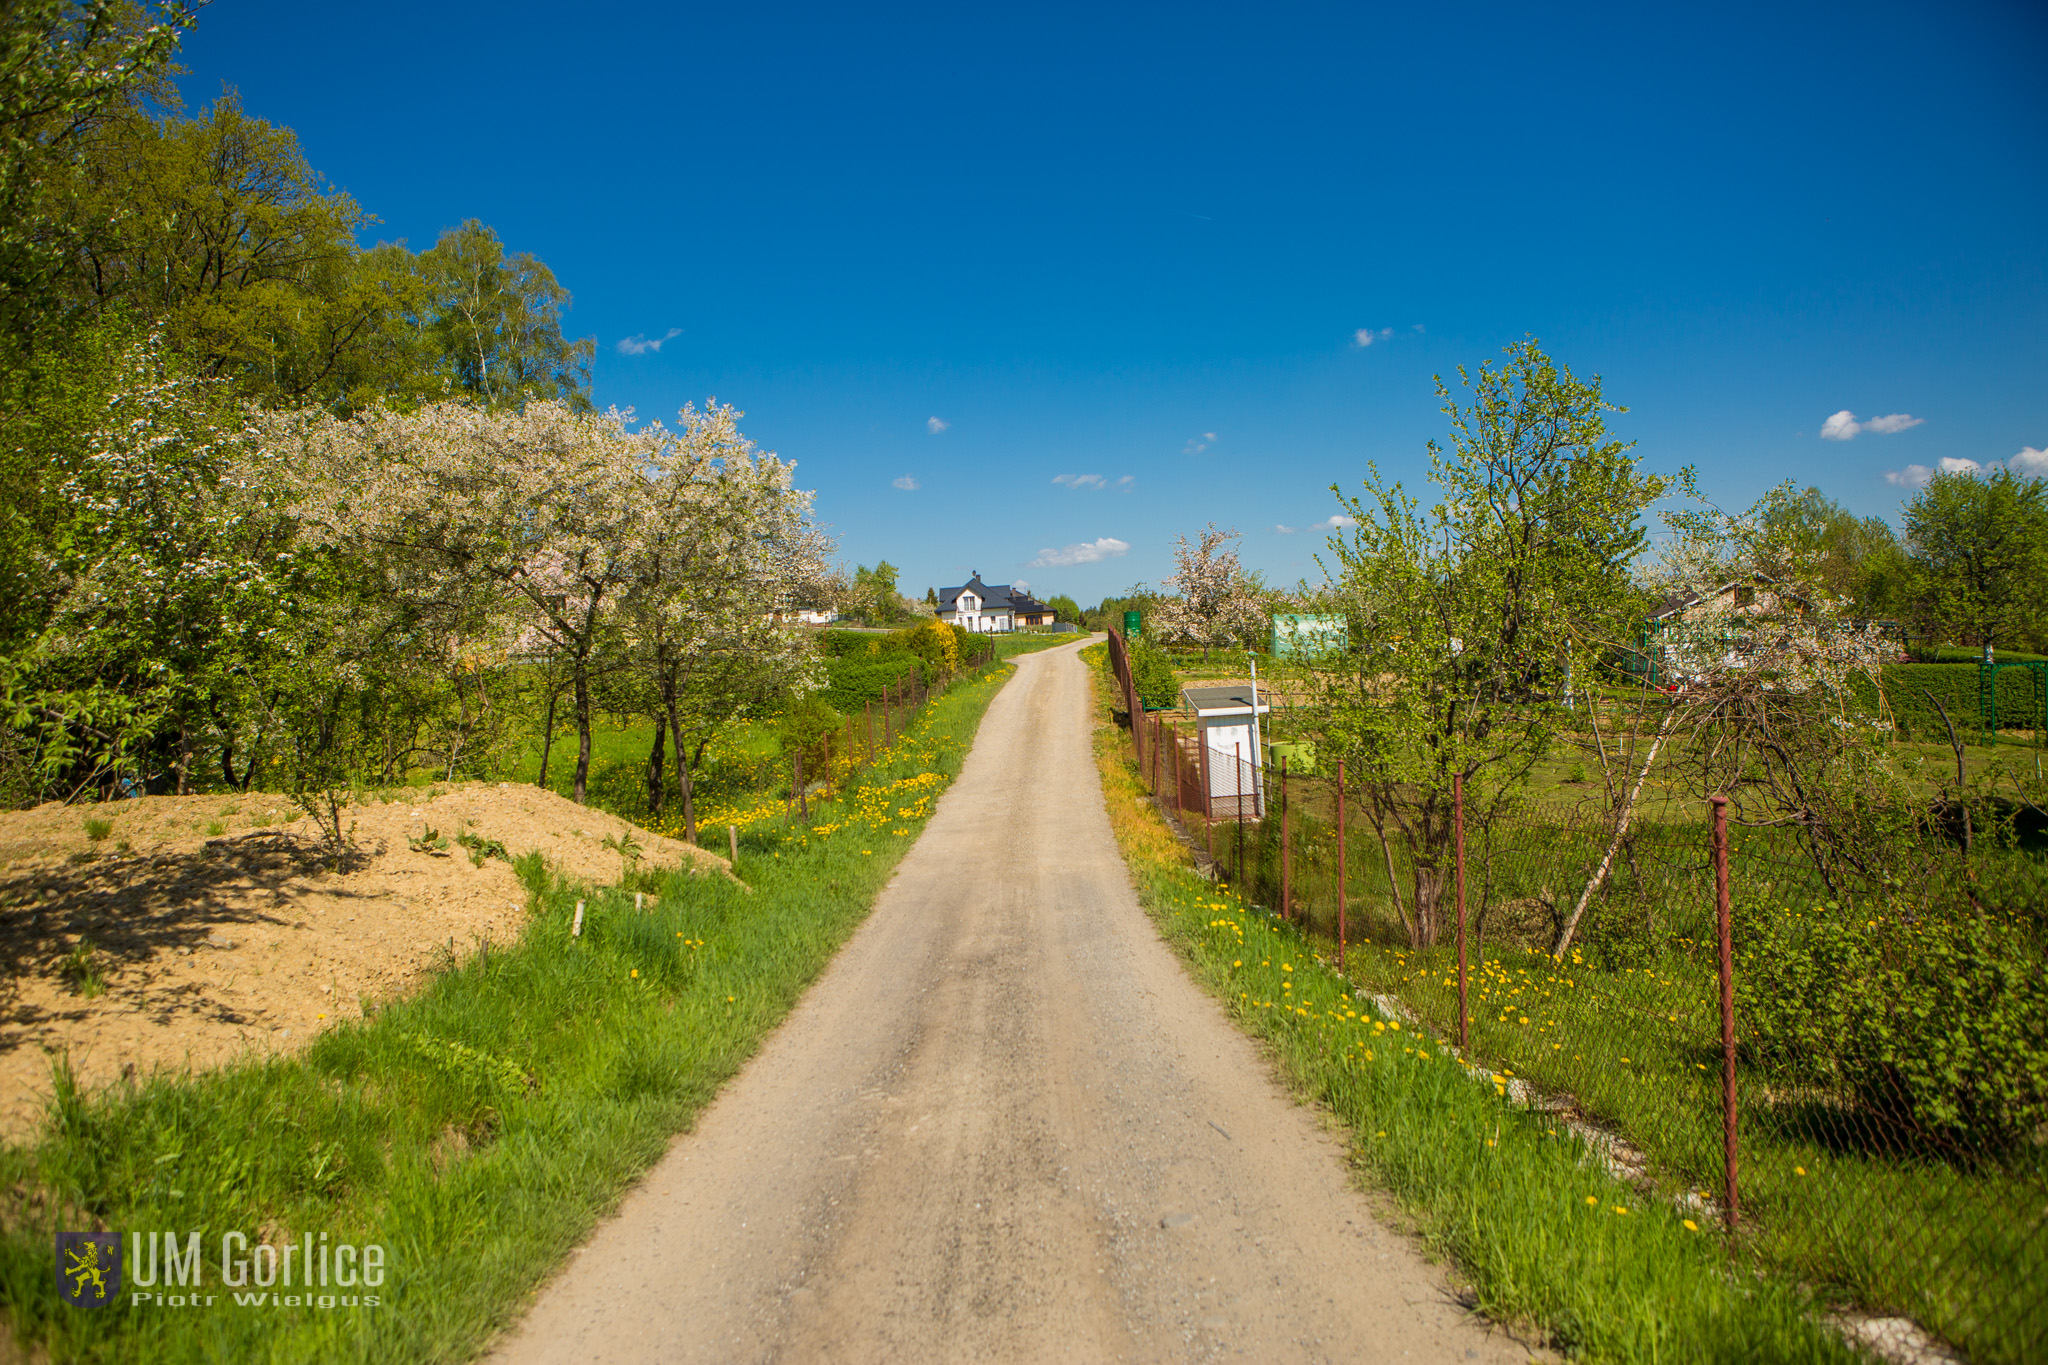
[991,609]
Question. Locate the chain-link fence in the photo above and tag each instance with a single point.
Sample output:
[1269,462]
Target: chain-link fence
[1850,1078]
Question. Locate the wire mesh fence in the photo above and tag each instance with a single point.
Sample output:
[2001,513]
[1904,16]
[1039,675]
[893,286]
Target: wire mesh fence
[1851,1080]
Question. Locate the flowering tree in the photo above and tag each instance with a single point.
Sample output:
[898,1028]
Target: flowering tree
[727,551]
[1215,603]
[542,504]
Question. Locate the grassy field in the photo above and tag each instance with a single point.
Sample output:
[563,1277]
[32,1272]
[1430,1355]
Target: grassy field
[1547,1237]
[477,1130]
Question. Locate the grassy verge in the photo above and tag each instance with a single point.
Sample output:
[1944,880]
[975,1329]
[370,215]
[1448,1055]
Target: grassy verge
[478,1130]
[1545,1235]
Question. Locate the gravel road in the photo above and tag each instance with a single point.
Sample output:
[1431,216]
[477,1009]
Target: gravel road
[1004,1126]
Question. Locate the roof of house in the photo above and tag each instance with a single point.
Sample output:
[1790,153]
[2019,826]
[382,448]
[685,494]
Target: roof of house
[1227,700]
[994,596]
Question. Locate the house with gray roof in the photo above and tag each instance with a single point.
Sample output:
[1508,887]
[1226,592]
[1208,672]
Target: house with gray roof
[991,609]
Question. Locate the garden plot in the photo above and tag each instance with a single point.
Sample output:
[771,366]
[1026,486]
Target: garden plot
[196,928]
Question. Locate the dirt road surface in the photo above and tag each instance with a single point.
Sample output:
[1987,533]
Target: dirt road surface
[1004,1126]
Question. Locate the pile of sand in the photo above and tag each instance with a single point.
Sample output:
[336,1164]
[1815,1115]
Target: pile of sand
[217,927]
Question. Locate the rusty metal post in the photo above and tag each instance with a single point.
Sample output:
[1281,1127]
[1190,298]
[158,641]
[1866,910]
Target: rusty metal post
[1458,839]
[1286,849]
[1208,797]
[1342,926]
[1173,742]
[870,704]
[1237,768]
[1724,928]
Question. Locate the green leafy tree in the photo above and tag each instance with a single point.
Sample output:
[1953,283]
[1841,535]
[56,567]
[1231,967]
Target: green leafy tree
[66,67]
[873,596]
[1469,617]
[1979,559]
[1065,608]
[1857,559]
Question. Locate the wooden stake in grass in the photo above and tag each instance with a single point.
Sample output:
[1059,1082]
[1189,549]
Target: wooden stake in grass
[576,929]
[732,838]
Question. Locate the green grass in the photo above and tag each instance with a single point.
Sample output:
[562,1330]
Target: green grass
[1502,1190]
[480,1128]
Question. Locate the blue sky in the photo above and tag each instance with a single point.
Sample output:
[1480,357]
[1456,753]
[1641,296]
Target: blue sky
[978,249]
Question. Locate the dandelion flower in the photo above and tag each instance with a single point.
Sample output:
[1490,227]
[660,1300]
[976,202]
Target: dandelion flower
[1799,1170]
[1593,1200]
[1691,1226]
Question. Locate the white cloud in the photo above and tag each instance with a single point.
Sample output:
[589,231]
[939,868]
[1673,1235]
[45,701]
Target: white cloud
[1079,480]
[906,483]
[1023,583]
[1127,480]
[1334,523]
[1087,552]
[935,425]
[1197,444]
[2030,463]
[1287,530]
[1366,336]
[1917,475]
[1420,328]
[1843,425]
[641,345]
[1840,427]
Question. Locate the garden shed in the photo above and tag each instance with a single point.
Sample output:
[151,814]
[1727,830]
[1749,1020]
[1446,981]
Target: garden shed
[1227,720]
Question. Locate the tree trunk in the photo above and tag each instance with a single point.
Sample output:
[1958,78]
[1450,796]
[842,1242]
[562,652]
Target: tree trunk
[582,733]
[655,784]
[683,765]
[1429,889]
[547,741]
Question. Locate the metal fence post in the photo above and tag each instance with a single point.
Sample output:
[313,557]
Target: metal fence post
[1724,929]
[1208,797]
[1286,850]
[1237,769]
[870,704]
[1458,842]
[1341,925]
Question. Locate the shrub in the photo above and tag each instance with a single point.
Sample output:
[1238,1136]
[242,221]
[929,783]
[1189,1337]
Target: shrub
[1152,671]
[1939,1024]
[804,726]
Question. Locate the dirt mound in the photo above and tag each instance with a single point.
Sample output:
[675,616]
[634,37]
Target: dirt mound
[211,924]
